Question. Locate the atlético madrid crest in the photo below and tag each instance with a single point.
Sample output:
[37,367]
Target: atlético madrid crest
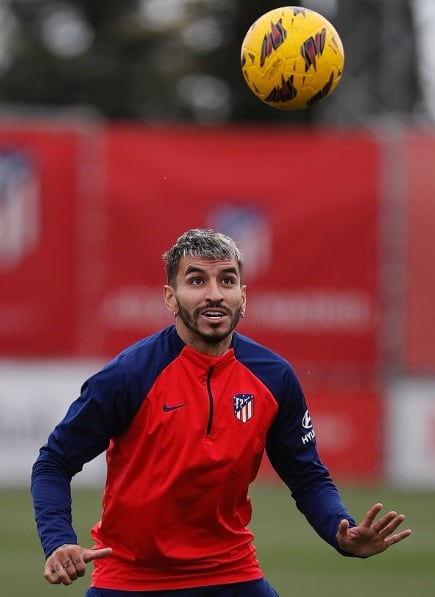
[243,406]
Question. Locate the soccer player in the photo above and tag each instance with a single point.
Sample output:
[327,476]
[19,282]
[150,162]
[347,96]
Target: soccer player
[184,416]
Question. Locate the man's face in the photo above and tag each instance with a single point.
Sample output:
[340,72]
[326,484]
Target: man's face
[208,299]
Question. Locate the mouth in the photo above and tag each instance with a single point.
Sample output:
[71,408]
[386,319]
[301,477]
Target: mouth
[213,314]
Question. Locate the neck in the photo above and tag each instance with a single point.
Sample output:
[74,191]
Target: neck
[201,345]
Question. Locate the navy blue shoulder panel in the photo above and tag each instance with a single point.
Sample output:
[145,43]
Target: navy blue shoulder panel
[272,369]
[110,399]
[134,371]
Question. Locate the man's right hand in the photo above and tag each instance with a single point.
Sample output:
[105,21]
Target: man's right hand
[68,562]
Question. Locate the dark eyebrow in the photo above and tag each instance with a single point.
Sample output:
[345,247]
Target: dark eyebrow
[230,270]
[193,269]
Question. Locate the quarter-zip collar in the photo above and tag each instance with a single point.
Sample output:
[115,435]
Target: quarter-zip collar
[206,362]
[208,367]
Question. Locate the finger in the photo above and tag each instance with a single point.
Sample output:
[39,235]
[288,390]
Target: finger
[56,574]
[50,575]
[70,569]
[80,565]
[392,524]
[96,554]
[386,521]
[368,519]
[397,537]
[343,527]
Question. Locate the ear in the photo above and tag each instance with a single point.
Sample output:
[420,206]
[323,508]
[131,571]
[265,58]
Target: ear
[244,297]
[169,298]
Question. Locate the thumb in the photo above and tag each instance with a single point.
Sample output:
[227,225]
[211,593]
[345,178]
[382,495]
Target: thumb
[343,527]
[96,554]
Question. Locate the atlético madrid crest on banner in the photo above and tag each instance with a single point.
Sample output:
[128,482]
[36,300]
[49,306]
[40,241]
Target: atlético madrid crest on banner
[243,406]
[251,229]
[19,207]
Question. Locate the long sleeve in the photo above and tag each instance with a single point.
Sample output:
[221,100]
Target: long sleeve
[292,450]
[51,493]
[83,433]
[107,403]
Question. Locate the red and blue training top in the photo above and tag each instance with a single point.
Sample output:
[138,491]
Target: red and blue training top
[184,434]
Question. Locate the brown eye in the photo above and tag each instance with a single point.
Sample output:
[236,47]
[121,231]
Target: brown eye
[229,281]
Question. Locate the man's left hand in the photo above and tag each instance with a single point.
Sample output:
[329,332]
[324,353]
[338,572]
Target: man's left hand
[370,537]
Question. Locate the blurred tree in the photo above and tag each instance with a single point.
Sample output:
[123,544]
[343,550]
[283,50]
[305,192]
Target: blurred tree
[381,78]
[179,60]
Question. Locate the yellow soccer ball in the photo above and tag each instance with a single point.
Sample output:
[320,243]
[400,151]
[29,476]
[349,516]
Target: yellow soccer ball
[292,58]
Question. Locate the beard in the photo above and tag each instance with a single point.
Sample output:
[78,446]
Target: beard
[214,336]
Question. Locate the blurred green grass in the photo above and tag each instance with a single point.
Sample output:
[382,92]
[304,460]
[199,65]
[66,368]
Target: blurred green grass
[293,558]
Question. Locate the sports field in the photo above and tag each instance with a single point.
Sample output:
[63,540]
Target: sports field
[294,559]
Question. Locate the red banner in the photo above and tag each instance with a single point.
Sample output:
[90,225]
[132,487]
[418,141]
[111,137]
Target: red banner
[419,342]
[38,190]
[303,206]
[96,208]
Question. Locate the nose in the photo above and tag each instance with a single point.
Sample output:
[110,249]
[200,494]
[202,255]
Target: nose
[214,292]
